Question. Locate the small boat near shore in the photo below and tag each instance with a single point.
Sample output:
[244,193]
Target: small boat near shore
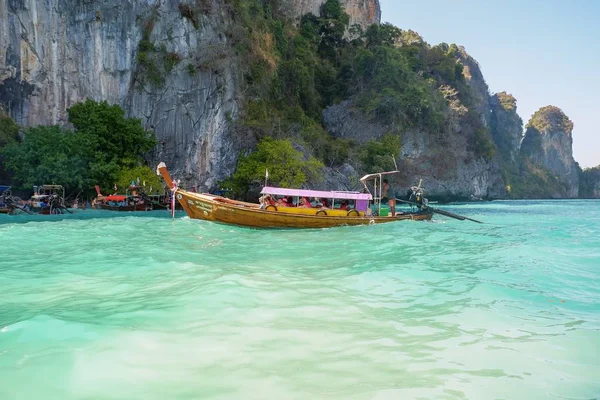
[134,199]
[366,208]
[46,200]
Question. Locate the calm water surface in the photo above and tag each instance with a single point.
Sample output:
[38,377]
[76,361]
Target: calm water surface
[113,306]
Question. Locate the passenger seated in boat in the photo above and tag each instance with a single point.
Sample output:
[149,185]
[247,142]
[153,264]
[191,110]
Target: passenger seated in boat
[304,203]
[344,205]
[324,203]
[283,202]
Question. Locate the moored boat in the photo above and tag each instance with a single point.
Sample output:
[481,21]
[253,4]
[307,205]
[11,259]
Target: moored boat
[361,208]
[134,199]
[46,200]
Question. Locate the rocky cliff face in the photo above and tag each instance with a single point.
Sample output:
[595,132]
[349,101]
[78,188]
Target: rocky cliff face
[448,170]
[171,63]
[58,52]
[506,125]
[448,167]
[548,144]
[183,84]
[362,12]
[479,88]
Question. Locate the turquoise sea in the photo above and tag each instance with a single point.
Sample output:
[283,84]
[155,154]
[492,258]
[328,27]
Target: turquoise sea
[119,306]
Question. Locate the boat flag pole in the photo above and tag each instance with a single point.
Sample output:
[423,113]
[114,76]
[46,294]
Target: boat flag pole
[173,199]
[161,169]
[266,176]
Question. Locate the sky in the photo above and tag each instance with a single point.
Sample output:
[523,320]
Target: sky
[543,52]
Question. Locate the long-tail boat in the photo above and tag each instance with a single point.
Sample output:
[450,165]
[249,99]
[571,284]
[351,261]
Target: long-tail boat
[47,199]
[133,200]
[365,208]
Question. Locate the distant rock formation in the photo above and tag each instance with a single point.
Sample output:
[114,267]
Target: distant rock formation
[589,183]
[547,151]
[506,125]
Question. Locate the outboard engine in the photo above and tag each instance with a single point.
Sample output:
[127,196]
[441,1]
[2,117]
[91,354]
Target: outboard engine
[416,195]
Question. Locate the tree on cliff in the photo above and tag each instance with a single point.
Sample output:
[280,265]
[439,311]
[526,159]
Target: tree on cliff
[286,165]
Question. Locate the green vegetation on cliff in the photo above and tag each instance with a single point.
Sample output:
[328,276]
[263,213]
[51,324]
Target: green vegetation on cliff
[550,117]
[9,131]
[292,73]
[287,167]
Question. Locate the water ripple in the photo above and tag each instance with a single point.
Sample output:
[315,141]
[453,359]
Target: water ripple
[97,306]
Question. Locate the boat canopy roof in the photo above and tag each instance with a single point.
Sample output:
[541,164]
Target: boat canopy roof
[316,193]
[115,198]
[377,175]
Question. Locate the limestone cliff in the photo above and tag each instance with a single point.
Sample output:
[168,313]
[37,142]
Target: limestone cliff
[444,160]
[58,52]
[547,150]
[589,183]
[448,169]
[361,12]
[506,125]
[479,88]
[168,62]
[176,65]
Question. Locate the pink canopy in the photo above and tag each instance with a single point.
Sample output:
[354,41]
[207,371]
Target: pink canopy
[316,193]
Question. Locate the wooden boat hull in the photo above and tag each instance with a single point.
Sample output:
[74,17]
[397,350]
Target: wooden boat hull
[220,209]
[136,207]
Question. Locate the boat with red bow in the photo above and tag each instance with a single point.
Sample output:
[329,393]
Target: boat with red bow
[301,208]
[134,199]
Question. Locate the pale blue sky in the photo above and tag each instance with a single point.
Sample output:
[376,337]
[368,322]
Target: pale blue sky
[541,51]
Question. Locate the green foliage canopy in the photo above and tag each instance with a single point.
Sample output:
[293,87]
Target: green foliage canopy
[286,165]
[550,117]
[119,139]
[102,147]
[50,155]
[378,156]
